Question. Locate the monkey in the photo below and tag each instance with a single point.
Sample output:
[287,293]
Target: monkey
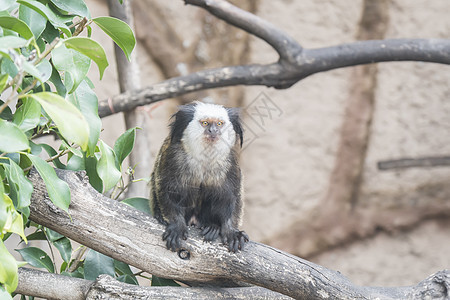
[196,179]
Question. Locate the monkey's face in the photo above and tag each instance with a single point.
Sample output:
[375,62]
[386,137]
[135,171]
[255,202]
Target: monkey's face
[212,129]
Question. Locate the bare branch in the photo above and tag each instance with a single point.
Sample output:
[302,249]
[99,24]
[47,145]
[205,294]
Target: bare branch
[295,63]
[286,46]
[48,285]
[421,162]
[119,231]
[51,286]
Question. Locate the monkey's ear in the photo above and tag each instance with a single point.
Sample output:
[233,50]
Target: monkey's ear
[181,120]
[234,114]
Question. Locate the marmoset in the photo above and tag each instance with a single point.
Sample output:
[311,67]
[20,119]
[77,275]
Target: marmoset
[196,179]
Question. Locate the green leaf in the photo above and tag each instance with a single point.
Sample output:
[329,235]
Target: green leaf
[128,279]
[124,145]
[86,100]
[75,163]
[53,235]
[106,167]
[35,21]
[159,281]
[20,187]
[91,170]
[51,152]
[45,70]
[32,70]
[139,203]
[48,14]
[7,66]
[8,269]
[3,82]
[78,273]
[5,4]
[71,123]
[28,115]
[37,236]
[119,31]
[122,268]
[126,275]
[11,220]
[5,209]
[13,139]
[37,258]
[57,82]
[64,247]
[10,42]
[57,189]
[77,7]
[96,264]
[6,114]
[91,49]
[50,33]
[73,62]
[16,25]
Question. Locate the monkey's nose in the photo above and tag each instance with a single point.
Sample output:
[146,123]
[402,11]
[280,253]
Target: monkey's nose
[213,130]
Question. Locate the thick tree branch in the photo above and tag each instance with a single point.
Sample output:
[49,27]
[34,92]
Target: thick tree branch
[49,285]
[295,63]
[128,235]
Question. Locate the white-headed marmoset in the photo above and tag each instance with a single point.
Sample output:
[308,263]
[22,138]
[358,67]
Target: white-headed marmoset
[196,179]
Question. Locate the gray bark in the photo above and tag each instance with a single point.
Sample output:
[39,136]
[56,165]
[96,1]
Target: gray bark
[49,285]
[131,236]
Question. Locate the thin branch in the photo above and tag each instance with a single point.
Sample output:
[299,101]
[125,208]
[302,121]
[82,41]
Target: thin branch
[131,236]
[421,162]
[286,46]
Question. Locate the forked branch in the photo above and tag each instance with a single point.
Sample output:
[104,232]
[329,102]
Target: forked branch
[295,63]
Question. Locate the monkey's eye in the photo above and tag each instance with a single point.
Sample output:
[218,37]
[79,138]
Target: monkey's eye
[204,123]
[220,123]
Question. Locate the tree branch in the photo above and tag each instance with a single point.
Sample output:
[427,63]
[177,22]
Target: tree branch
[420,162]
[131,236]
[295,63]
[49,285]
[285,45]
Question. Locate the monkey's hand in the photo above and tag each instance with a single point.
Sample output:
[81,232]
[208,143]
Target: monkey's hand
[173,235]
[234,239]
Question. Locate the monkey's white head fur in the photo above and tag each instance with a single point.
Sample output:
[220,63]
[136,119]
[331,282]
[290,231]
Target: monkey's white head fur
[195,140]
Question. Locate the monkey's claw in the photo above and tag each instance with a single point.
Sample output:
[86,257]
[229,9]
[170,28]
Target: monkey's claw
[235,240]
[173,235]
[211,232]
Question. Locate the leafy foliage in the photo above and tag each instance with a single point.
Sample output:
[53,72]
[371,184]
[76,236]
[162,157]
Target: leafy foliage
[45,55]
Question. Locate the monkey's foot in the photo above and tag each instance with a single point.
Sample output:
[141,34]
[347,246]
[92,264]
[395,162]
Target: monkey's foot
[173,235]
[211,232]
[235,240]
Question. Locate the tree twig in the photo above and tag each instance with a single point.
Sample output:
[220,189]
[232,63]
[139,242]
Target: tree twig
[420,162]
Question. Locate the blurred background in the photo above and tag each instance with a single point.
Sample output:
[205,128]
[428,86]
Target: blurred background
[312,185]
